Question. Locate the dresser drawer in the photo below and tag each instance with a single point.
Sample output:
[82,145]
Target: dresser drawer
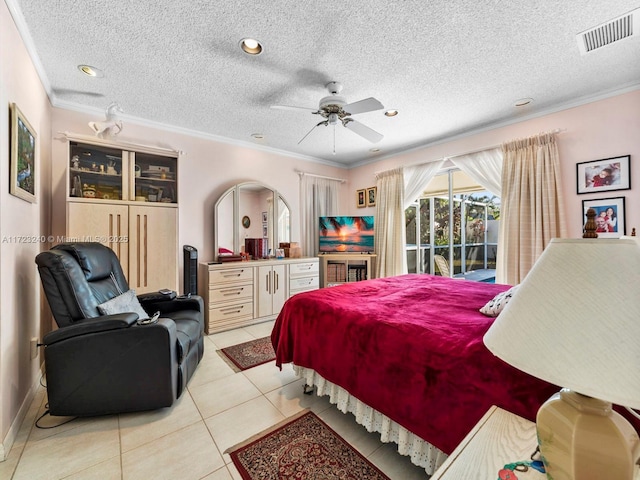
[231,312]
[230,293]
[304,268]
[227,275]
[303,284]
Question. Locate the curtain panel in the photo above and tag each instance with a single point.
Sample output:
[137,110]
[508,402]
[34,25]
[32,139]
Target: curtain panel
[389,228]
[483,167]
[532,205]
[319,197]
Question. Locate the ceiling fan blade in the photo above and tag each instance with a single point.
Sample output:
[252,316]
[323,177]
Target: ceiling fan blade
[363,131]
[367,105]
[288,107]
[325,123]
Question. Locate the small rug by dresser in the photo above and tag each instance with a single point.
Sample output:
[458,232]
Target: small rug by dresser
[301,447]
[249,354]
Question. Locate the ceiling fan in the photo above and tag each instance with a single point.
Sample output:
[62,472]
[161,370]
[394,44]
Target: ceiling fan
[335,109]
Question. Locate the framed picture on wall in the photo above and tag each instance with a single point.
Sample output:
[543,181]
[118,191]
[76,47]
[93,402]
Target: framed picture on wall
[361,198]
[23,157]
[371,196]
[264,217]
[604,175]
[610,219]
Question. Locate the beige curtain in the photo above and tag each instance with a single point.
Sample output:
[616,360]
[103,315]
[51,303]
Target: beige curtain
[389,224]
[319,197]
[532,205]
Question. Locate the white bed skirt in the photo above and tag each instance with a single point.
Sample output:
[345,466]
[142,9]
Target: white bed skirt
[422,453]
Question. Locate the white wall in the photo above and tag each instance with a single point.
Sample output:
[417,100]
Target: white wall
[603,129]
[21,226]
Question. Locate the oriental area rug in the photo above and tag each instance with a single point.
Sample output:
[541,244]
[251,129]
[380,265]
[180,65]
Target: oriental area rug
[249,354]
[302,447]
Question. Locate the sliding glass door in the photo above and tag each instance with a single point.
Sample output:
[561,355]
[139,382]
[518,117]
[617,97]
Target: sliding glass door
[461,225]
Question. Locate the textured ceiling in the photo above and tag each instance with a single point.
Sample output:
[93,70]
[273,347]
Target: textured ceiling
[449,66]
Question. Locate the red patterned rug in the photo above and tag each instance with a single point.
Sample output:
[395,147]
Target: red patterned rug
[249,354]
[303,447]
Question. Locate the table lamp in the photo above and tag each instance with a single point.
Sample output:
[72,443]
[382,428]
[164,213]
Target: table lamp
[574,321]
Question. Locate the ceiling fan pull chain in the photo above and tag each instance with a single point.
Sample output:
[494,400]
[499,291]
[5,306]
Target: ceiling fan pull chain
[334,139]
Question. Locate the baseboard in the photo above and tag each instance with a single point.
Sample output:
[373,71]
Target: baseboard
[9,439]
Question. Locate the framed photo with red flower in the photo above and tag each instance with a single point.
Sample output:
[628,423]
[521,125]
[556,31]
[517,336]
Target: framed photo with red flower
[610,217]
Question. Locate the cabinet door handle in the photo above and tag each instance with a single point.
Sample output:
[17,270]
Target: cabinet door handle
[268,280]
[277,283]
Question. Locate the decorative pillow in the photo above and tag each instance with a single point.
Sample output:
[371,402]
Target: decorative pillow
[127,302]
[494,306]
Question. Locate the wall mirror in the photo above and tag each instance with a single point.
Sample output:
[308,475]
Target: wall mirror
[268,211]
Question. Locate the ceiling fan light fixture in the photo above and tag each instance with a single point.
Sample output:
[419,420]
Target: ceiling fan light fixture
[90,71]
[251,46]
[391,113]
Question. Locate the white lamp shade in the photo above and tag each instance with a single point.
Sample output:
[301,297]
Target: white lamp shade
[574,321]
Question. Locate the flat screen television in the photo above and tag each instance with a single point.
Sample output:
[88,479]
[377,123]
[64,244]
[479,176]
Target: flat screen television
[346,234]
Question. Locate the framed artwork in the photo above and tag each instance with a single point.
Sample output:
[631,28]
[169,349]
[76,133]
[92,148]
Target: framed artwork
[23,157]
[361,198]
[265,231]
[610,218]
[604,175]
[371,196]
[264,217]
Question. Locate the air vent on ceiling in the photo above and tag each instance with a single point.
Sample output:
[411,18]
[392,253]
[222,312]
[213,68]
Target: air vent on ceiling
[612,31]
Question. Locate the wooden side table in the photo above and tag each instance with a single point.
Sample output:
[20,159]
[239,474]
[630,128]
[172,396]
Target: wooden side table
[497,439]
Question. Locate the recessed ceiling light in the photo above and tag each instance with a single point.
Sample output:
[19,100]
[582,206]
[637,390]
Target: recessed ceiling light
[90,71]
[523,101]
[391,113]
[374,150]
[251,46]
[258,136]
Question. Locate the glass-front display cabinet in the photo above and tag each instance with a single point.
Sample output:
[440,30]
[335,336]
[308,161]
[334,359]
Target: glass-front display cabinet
[101,172]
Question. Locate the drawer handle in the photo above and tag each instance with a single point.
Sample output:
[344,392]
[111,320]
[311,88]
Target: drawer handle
[234,291]
[226,275]
[230,310]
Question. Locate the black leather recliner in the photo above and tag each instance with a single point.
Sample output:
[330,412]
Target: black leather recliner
[102,364]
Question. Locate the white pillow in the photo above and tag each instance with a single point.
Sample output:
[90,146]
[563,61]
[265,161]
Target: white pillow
[127,302]
[494,306]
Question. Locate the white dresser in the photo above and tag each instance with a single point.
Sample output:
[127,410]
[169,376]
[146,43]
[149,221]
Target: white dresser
[243,293]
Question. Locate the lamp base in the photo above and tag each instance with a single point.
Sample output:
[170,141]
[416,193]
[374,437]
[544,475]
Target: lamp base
[583,438]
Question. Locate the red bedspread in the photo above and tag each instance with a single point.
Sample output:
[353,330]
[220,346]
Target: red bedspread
[411,348]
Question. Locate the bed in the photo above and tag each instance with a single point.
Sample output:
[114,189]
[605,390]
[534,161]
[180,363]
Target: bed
[405,355]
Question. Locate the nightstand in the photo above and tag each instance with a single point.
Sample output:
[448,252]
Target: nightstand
[498,438]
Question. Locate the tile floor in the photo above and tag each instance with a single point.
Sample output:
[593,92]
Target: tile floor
[187,441]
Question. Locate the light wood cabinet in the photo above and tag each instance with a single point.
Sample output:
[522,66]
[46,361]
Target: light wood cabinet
[145,239]
[344,268]
[270,290]
[105,223]
[125,198]
[243,293]
[153,245]
[304,276]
